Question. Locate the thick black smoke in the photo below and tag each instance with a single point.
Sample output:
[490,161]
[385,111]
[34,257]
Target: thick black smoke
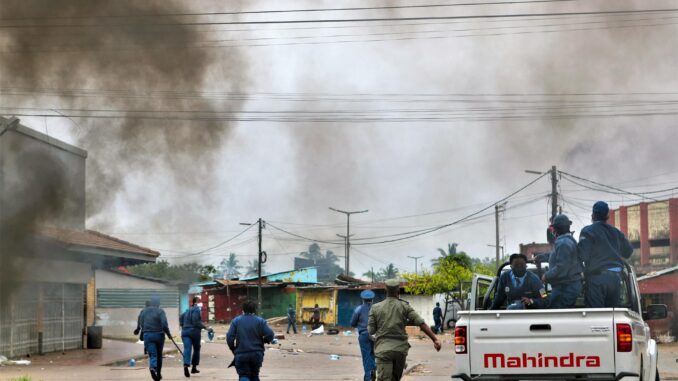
[129,55]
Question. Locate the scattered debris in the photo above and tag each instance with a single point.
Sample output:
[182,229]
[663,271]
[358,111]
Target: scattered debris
[334,357]
[132,362]
[318,331]
[277,321]
[348,333]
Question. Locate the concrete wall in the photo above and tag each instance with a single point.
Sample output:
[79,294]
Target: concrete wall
[424,304]
[21,151]
[122,321]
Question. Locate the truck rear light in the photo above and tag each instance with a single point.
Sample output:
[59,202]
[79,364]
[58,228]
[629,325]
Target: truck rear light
[624,338]
[460,345]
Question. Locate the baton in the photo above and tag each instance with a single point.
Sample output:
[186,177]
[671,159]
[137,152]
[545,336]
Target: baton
[175,344]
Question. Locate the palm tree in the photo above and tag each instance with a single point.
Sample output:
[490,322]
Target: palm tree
[229,268]
[460,257]
[252,268]
[372,276]
[388,272]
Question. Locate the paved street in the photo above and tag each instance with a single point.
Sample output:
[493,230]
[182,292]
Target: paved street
[296,358]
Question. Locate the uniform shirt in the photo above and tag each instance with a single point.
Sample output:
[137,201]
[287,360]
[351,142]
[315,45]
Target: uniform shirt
[387,321]
[437,312]
[248,333]
[291,314]
[153,319]
[192,318]
[601,247]
[511,288]
[361,317]
[564,263]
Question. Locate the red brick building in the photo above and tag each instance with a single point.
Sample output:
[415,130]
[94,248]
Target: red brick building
[531,249]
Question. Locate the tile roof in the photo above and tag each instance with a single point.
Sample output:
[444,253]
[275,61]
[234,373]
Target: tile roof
[91,238]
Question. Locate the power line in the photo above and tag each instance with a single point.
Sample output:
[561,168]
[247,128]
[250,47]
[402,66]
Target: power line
[186,14]
[348,20]
[605,186]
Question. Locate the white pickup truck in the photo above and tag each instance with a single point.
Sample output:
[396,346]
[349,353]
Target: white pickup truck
[564,344]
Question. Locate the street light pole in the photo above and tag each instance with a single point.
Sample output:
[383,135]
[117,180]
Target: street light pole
[348,233]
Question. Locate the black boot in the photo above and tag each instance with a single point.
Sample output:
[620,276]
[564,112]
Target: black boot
[195,369]
[186,374]
[154,375]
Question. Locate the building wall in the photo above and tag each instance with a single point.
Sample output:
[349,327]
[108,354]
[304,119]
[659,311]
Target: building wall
[222,304]
[120,320]
[325,298]
[274,300]
[662,289]
[653,230]
[348,300]
[19,154]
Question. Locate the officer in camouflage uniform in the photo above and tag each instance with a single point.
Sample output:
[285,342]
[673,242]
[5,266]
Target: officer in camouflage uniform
[386,323]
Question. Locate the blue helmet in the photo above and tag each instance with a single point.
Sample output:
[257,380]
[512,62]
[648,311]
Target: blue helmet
[367,295]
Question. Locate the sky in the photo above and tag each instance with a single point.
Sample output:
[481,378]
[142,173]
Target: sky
[195,125]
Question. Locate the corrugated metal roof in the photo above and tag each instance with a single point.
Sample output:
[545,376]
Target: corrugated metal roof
[655,274]
[304,275]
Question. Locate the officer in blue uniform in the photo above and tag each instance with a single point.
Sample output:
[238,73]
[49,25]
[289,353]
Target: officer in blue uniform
[291,319]
[154,325]
[603,249]
[565,268]
[359,321]
[437,318]
[515,284]
[246,338]
[191,328]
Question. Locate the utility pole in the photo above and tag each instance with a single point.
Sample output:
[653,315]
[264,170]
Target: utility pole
[415,262]
[554,192]
[348,233]
[259,269]
[497,209]
[262,259]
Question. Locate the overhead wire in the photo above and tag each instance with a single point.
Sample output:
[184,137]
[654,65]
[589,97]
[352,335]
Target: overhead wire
[346,20]
[274,11]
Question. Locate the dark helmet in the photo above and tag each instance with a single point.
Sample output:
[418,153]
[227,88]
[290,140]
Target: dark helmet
[561,222]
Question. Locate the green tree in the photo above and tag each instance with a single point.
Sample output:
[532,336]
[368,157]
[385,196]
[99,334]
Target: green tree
[327,264]
[187,272]
[229,268]
[372,276]
[451,253]
[388,272]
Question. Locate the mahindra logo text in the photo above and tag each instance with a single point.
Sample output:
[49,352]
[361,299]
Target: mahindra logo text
[499,360]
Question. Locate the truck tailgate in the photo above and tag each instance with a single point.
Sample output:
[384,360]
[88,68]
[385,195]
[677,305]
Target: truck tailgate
[547,341]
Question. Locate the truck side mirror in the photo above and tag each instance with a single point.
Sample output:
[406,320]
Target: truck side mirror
[655,312]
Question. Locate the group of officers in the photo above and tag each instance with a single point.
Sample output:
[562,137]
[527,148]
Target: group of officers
[598,258]
[594,264]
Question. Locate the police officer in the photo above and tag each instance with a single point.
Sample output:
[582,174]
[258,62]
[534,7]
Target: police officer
[387,321]
[437,318]
[137,330]
[565,268]
[291,319]
[359,320]
[516,284]
[191,328]
[602,248]
[246,338]
[154,325]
